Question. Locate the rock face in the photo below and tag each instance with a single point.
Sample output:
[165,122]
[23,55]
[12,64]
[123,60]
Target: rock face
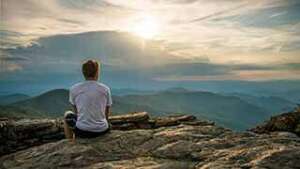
[175,142]
[18,135]
[176,147]
[289,122]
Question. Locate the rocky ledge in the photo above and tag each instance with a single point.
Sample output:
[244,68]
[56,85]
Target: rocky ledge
[164,143]
[22,134]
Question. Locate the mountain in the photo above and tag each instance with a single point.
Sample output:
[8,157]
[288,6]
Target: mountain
[292,95]
[272,104]
[52,103]
[177,89]
[12,98]
[229,111]
[15,112]
[123,92]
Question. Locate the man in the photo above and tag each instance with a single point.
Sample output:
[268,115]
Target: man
[91,102]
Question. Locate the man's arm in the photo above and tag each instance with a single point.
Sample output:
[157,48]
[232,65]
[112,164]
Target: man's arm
[108,105]
[107,112]
[72,102]
[74,109]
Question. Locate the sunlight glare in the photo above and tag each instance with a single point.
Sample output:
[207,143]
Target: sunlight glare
[148,28]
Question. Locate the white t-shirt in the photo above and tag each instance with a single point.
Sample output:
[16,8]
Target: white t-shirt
[91,99]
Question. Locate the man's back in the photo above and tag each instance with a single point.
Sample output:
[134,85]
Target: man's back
[91,99]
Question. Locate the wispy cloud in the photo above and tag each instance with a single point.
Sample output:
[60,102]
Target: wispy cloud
[219,13]
[9,67]
[239,75]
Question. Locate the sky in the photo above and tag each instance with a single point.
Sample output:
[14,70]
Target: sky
[150,41]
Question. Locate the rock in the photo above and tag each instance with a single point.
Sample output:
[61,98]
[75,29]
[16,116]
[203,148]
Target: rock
[3,123]
[129,118]
[125,126]
[144,162]
[176,147]
[297,129]
[285,134]
[141,142]
[173,120]
[18,135]
[198,122]
[289,122]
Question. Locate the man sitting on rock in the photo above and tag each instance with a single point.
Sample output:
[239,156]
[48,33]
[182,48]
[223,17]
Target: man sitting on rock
[91,102]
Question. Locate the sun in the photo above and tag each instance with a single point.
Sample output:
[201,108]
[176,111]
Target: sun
[148,28]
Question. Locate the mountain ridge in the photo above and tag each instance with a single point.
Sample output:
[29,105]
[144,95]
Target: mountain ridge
[225,110]
[12,98]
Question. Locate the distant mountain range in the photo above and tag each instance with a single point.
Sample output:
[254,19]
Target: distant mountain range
[273,104]
[236,111]
[123,92]
[8,99]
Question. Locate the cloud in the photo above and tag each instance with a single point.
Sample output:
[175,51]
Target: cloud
[112,48]
[218,13]
[9,67]
[52,17]
[232,27]
[71,21]
[198,40]
[126,57]
[268,17]
[12,59]
[214,72]
[239,75]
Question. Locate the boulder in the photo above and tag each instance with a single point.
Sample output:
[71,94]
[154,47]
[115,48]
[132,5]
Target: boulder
[17,135]
[289,122]
[129,118]
[173,120]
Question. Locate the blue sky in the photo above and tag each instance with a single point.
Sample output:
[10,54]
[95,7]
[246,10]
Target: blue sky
[189,41]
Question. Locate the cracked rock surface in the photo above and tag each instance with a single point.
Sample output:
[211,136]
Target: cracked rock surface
[188,145]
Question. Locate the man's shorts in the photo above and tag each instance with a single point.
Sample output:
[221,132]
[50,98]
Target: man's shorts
[71,119]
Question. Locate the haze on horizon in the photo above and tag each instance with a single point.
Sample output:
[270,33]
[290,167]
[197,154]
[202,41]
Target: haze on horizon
[150,41]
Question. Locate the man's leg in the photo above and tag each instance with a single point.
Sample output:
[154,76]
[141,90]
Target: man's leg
[70,119]
[68,131]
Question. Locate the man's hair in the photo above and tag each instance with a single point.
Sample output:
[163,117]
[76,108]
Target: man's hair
[90,68]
